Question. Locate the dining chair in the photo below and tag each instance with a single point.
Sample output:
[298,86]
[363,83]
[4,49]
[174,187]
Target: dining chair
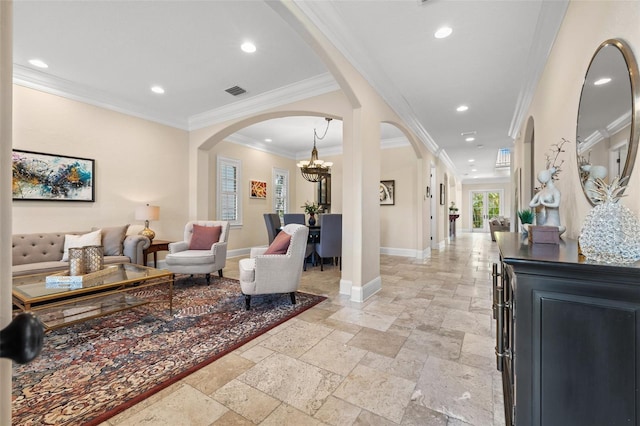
[294,218]
[272,220]
[330,244]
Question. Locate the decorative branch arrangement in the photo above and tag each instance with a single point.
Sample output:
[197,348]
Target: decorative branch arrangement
[554,153]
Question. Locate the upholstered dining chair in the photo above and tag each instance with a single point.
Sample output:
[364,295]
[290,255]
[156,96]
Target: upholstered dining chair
[294,218]
[330,244]
[277,268]
[203,250]
[272,220]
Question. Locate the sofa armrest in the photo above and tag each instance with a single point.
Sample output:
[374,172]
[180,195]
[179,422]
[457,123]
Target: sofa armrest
[134,246]
[178,246]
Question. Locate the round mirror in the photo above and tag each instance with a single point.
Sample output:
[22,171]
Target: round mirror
[607,128]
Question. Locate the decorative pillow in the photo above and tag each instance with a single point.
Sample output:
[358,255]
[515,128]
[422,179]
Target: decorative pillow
[204,237]
[280,244]
[112,239]
[73,241]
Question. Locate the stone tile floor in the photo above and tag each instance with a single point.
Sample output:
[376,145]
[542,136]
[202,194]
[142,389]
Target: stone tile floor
[419,352]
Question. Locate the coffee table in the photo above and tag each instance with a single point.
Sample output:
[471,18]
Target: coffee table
[61,304]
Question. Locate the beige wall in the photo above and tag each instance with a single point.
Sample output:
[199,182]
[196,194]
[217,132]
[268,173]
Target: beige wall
[555,104]
[136,162]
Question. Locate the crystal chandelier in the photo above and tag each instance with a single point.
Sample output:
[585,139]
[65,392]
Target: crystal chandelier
[314,170]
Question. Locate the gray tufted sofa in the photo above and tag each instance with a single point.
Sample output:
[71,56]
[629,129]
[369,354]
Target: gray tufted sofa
[42,252]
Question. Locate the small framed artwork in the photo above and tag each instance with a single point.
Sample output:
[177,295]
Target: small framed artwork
[387,192]
[49,177]
[258,189]
[442,194]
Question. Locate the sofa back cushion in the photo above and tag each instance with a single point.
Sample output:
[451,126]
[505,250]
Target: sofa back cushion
[38,247]
[112,239]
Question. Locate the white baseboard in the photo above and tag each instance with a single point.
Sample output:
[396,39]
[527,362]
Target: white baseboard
[360,294]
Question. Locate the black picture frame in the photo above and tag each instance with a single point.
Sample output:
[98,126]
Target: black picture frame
[387,192]
[442,194]
[39,176]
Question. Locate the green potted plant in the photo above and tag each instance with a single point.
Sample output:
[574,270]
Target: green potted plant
[453,209]
[526,218]
[311,209]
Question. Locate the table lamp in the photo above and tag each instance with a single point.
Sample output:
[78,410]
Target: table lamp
[147,213]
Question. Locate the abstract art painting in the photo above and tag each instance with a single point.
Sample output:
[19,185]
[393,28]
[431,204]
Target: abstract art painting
[49,177]
[258,189]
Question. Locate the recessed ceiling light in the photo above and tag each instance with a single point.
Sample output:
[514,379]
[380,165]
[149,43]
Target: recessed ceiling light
[601,81]
[443,32]
[248,47]
[38,63]
[157,89]
[462,108]
[474,170]
[471,160]
[470,139]
[268,140]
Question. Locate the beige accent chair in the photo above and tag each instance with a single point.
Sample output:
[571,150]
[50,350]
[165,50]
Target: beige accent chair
[275,273]
[182,260]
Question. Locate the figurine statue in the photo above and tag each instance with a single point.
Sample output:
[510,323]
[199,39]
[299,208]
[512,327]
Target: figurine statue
[547,201]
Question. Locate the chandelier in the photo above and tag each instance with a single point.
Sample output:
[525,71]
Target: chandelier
[314,170]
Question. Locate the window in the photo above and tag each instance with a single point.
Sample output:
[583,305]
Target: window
[280,191]
[229,196]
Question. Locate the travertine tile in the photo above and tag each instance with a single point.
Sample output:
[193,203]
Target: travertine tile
[213,376]
[363,318]
[406,364]
[338,412]
[376,391]
[337,357]
[246,401]
[468,322]
[297,338]
[387,344]
[441,343]
[287,415]
[297,383]
[459,391]
[186,406]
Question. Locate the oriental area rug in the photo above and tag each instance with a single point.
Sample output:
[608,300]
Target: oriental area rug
[91,371]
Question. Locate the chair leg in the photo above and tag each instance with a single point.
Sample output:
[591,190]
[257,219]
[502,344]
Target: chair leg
[293,297]
[247,302]
[220,273]
[208,279]
[321,263]
[340,260]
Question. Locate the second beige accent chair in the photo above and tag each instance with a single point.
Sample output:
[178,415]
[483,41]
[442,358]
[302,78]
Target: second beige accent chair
[198,253]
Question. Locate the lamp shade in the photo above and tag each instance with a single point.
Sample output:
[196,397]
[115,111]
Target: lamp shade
[147,212]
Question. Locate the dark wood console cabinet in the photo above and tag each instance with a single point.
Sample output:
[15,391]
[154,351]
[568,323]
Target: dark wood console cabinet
[568,335]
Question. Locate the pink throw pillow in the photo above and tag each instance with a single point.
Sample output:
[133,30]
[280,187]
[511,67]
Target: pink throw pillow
[204,237]
[280,244]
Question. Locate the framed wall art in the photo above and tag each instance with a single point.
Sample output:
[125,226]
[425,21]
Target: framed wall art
[258,189]
[442,194]
[38,176]
[387,192]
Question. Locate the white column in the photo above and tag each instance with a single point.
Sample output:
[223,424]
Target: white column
[6,100]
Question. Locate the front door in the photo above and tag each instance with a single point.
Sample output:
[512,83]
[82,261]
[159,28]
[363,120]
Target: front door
[484,206]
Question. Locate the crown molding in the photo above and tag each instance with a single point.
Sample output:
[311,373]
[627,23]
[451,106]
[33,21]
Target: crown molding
[38,80]
[485,181]
[314,86]
[547,26]
[330,23]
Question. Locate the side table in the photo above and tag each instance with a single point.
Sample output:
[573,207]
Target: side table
[155,247]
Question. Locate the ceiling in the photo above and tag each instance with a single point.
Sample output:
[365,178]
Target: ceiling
[109,53]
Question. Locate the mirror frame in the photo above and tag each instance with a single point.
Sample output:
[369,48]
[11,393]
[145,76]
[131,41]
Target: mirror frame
[634,131]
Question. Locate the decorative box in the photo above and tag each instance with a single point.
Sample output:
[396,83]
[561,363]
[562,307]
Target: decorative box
[544,235]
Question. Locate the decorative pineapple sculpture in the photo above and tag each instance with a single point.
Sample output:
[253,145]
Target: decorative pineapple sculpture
[611,233]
